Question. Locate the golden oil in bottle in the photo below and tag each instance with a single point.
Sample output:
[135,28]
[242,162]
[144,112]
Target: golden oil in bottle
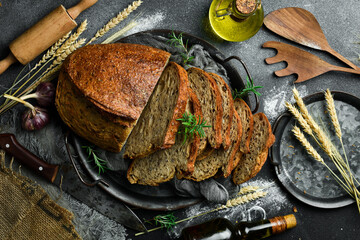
[236,20]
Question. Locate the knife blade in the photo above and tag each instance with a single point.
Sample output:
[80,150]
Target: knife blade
[65,177]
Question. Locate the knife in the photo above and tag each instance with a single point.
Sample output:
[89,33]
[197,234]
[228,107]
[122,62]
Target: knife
[61,175]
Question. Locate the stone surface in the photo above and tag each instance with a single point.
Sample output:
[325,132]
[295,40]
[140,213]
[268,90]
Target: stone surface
[340,22]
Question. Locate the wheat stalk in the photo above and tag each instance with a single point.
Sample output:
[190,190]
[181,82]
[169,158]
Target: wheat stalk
[325,143]
[248,189]
[230,203]
[309,148]
[299,118]
[332,112]
[51,51]
[116,20]
[243,199]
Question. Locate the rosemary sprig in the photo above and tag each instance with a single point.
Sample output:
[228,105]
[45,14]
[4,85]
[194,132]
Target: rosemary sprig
[178,42]
[165,221]
[249,87]
[190,126]
[101,164]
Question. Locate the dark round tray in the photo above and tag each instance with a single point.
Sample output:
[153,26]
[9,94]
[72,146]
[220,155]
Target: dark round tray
[302,176]
[162,197]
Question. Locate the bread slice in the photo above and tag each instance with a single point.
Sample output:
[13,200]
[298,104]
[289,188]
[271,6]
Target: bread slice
[220,159]
[209,96]
[157,125]
[103,88]
[228,108]
[161,166]
[261,140]
[247,123]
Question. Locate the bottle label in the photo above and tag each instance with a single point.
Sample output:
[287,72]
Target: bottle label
[280,224]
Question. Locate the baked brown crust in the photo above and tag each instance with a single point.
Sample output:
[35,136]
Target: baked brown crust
[227,125]
[218,101]
[241,107]
[233,161]
[173,127]
[118,78]
[82,117]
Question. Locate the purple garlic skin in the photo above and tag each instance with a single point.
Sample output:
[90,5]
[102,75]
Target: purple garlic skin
[35,119]
[45,94]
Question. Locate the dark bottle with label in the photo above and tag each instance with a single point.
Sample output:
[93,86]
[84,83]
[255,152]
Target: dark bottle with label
[221,229]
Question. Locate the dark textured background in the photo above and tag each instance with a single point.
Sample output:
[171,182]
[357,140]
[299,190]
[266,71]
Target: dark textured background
[340,21]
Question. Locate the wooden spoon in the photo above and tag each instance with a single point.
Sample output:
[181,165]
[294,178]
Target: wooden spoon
[299,25]
[300,62]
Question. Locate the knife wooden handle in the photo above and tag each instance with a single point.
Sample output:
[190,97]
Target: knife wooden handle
[10,145]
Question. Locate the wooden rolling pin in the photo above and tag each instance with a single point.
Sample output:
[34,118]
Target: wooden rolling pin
[44,34]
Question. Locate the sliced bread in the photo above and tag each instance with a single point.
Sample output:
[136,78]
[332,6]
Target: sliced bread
[228,108]
[157,125]
[220,159]
[209,96]
[247,123]
[161,166]
[262,139]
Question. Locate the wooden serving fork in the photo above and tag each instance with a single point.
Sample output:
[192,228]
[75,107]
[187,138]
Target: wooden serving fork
[302,63]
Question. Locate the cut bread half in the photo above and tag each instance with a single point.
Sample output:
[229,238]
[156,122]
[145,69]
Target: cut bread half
[228,109]
[247,123]
[209,96]
[262,139]
[220,159]
[157,126]
[161,166]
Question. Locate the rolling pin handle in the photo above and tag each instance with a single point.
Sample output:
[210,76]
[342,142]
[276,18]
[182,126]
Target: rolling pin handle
[81,6]
[6,62]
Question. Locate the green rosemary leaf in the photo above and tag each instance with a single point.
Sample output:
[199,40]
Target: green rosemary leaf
[101,164]
[165,221]
[249,87]
[178,42]
[190,126]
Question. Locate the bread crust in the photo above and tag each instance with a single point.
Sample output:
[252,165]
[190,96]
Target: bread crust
[218,101]
[118,78]
[227,126]
[244,145]
[179,110]
[262,155]
[97,86]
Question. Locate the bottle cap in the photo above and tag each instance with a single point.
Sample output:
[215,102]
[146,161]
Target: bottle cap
[290,221]
[246,6]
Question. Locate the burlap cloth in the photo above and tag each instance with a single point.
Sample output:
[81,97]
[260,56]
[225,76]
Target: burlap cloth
[27,211]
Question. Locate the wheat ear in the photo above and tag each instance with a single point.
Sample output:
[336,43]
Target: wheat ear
[325,143]
[248,189]
[310,149]
[230,203]
[51,51]
[332,113]
[299,118]
[116,20]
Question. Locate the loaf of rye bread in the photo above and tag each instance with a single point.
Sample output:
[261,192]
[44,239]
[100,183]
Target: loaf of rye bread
[228,109]
[102,90]
[209,96]
[161,166]
[251,163]
[157,125]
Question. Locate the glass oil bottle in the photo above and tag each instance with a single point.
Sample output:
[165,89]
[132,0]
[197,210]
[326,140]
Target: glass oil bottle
[236,20]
